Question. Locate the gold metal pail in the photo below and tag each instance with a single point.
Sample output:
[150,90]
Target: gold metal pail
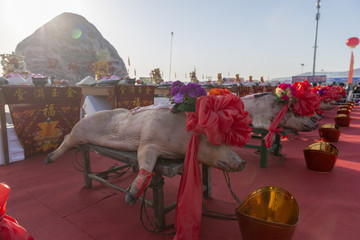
[348,105]
[321,156]
[342,120]
[268,213]
[344,110]
[329,132]
[352,103]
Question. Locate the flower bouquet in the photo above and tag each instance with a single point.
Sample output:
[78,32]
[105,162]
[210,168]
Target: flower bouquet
[285,92]
[185,95]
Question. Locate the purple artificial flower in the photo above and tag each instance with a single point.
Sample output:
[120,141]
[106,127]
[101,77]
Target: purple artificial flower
[185,93]
[184,89]
[201,91]
[321,91]
[195,90]
[177,84]
[178,98]
[174,90]
[192,94]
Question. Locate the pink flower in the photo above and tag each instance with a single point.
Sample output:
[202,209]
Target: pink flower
[284,97]
[284,86]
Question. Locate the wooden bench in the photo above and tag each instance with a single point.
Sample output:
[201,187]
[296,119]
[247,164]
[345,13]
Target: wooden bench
[275,148]
[163,167]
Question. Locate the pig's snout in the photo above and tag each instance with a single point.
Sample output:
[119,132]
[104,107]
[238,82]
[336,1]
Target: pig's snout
[233,164]
[309,126]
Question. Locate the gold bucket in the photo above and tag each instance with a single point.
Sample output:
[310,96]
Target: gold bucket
[329,132]
[347,105]
[321,156]
[344,110]
[342,120]
[268,213]
[352,103]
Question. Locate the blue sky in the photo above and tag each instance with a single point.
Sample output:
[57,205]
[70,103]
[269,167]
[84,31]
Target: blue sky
[269,38]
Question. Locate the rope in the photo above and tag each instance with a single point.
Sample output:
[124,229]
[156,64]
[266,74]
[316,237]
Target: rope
[228,183]
[219,215]
[208,213]
[79,167]
[75,162]
[153,228]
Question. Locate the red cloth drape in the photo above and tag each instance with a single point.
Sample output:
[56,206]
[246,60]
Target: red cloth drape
[189,200]
[9,227]
[223,120]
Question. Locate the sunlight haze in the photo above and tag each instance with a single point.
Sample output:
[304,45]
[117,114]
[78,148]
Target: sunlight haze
[259,38]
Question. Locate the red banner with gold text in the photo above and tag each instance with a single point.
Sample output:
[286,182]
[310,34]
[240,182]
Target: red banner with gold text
[42,116]
[131,96]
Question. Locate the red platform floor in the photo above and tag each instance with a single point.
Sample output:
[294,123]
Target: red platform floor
[50,201]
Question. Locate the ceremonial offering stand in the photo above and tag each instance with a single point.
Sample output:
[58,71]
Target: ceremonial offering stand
[275,148]
[163,167]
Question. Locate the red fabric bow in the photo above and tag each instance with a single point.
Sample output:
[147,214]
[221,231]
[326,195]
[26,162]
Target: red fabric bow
[308,101]
[223,120]
[9,227]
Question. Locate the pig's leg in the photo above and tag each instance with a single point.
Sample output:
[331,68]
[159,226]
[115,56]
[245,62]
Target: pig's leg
[147,157]
[68,143]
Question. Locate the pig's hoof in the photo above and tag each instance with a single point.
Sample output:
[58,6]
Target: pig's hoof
[135,169]
[130,199]
[48,159]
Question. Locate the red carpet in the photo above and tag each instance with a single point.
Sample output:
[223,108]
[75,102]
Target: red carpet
[51,202]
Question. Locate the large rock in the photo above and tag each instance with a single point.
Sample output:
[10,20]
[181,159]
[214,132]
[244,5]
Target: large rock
[67,47]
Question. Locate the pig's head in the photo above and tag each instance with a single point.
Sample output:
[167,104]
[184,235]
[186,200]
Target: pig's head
[264,107]
[316,117]
[291,120]
[219,156]
[327,104]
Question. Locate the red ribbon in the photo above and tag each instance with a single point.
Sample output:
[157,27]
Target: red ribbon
[223,120]
[144,180]
[189,200]
[273,128]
